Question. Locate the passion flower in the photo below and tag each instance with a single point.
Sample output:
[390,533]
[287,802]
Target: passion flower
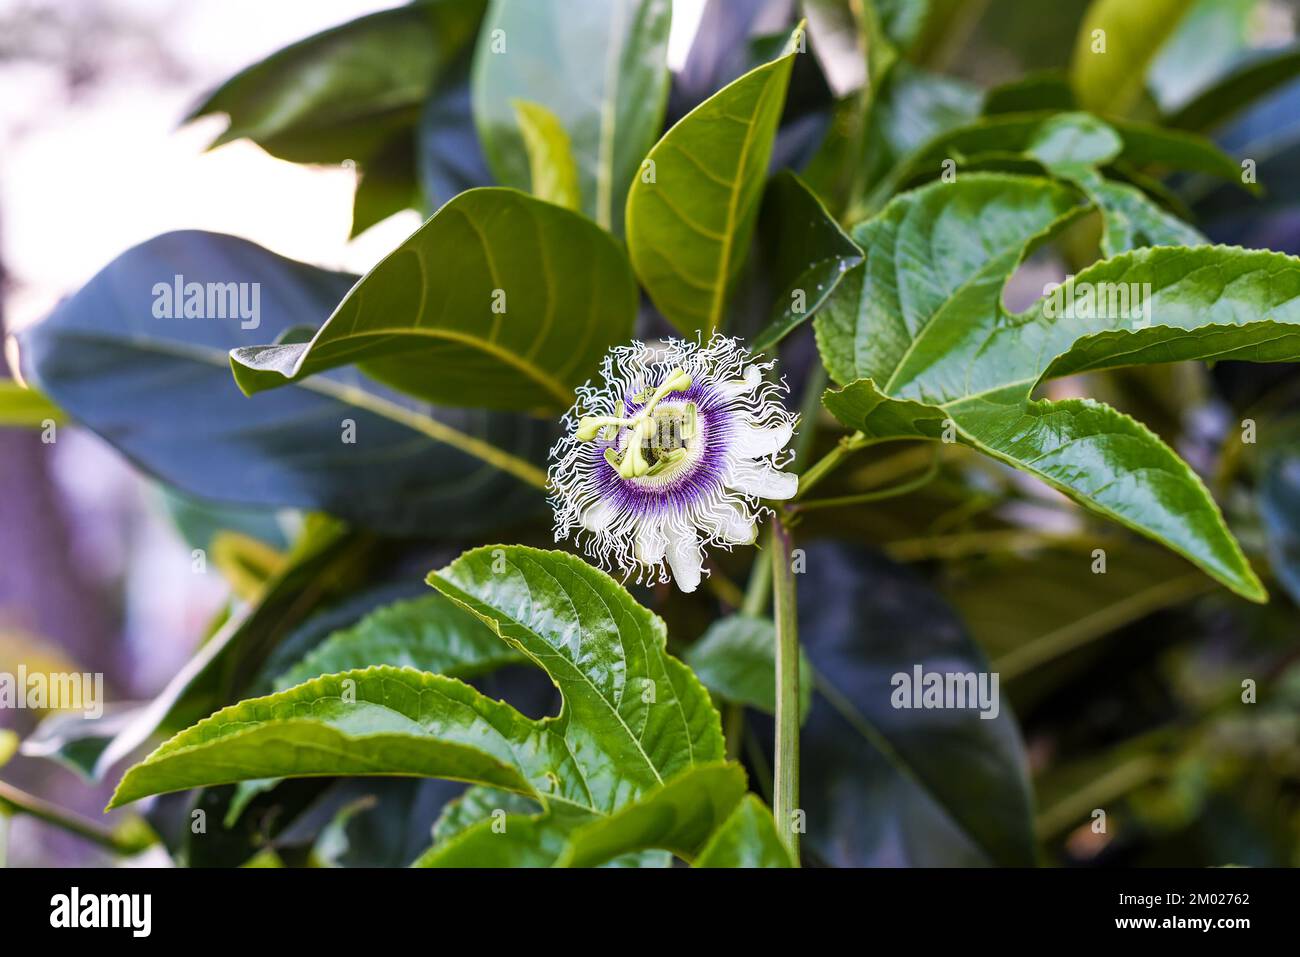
[670,453]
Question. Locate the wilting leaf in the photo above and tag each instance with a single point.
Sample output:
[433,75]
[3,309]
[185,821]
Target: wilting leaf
[932,349]
[553,173]
[807,255]
[159,390]
[891,786]
[598,66]
[692,210]
[736,659]
[746,839]
[499,301]
[1109,68]
[634,718]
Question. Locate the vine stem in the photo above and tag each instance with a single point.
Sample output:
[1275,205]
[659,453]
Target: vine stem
[126,841]
[785,790]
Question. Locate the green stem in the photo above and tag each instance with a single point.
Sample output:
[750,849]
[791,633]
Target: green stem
[830,461]
[875,495]
[786,773]
[128,840]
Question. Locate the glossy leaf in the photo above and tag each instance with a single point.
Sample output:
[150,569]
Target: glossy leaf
[499,301]
[692,210]
[347,92]
[932,348]
[553,174]
[633,717]
[598,66]
[1109,68]
[736,660]
[677,816]
[807,255]
[746,839]
[159,390]
[427,634]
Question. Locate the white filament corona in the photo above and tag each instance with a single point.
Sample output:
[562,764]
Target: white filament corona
[671,452]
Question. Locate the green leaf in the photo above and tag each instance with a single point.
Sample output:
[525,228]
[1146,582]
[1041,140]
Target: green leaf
[746,839]
[500,301]
[159,391]
[1238,90]
[932,349]
[553,173]
[633,716]
[348,92]
[1005,134]
[736,660]
[692,210]
[25,408]
[598,66]
[1109,69]
[677,816]
[1072,145]
[806,255]
[428,633]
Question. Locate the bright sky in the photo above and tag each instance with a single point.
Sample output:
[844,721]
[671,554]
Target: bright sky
[82,181]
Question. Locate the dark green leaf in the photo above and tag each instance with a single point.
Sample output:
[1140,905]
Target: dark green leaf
[159,390]
[736,660]
[1238,90]
[499,301]
[806,255]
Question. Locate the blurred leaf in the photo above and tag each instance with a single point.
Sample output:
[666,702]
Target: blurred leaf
[247,563]
[1035,93]
[499,301]
[449,156]
[746,839]
[1238,90]
[806,255]
[8,745]
[25,408]
[1204,45]
[159,391]
[553,173]
[692,211]
[598,66]
[1279,507]
[884,786]
[345,93]
[386,184]
[736,660]
[428,633]
[1109,69]
[947,355]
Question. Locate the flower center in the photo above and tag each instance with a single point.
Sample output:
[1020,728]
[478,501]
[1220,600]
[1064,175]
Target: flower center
[656,442]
